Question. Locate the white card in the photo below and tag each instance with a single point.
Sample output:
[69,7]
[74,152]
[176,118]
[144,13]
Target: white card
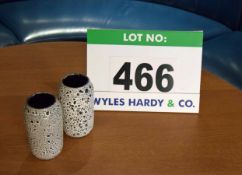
[155,71]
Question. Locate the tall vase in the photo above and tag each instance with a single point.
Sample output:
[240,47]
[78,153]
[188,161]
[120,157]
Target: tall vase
[77,100]
[44,124]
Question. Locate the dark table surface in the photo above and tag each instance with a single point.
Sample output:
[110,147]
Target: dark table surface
[121,142]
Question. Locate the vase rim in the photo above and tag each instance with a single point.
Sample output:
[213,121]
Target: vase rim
[41,100]
[68,80]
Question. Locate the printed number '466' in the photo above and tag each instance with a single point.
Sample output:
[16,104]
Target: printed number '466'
[126,81]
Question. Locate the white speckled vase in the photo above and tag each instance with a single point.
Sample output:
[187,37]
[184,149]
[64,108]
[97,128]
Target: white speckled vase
[77,100]
[44,124]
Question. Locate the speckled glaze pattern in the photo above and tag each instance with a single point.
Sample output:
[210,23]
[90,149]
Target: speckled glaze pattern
[45,130]
[78,109]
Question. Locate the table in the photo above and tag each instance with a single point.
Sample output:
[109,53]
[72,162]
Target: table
[121,142]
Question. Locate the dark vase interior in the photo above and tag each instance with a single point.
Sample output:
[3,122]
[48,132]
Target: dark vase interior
[41,100]
[75,80]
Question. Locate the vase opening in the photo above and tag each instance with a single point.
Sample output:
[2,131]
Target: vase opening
[41,100]
[75,80]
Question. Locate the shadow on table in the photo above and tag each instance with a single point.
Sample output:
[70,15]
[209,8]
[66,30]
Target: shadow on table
[74,156]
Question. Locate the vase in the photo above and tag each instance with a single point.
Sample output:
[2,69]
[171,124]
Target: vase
[77,100]
[44,125]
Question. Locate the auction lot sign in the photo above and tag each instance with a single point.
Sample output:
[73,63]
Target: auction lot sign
[145,70]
